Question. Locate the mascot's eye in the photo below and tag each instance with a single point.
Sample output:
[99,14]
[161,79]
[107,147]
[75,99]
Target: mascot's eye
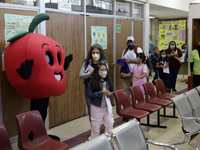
[49,58]
[58,56]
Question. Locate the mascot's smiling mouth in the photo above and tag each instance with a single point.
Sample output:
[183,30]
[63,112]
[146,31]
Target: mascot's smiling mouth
[58,76]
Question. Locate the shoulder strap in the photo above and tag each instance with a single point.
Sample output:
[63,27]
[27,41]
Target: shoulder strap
[125,51]
[135,49]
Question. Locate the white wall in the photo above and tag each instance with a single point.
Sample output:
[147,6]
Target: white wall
[175,4]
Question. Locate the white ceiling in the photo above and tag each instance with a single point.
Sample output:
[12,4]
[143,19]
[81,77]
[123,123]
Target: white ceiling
[161,12]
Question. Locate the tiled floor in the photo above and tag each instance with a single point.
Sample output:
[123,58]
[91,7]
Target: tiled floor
[172,134]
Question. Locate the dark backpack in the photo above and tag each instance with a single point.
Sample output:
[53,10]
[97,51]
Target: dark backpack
[135,50]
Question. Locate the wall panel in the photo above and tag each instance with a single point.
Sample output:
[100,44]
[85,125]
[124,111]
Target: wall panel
[138,33]
[68,31]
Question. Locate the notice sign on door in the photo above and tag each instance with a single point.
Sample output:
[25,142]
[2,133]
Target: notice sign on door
[64,5]
[99,35]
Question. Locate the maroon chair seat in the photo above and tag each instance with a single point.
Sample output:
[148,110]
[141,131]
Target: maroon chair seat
[162,93]
[139,102]
[4,139]
[151,97]
[124,108]
[161,90]
[31,123]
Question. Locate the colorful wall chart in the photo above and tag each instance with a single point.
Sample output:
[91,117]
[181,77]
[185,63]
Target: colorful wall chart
[99,35]
[15,24]
[172,30]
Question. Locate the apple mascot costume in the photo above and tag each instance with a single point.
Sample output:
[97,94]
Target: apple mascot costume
[35,65]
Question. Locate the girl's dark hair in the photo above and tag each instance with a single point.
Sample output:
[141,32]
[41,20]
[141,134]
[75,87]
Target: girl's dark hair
[170,44]
[89,56]
[162,52]
[142,56]
[156,48]
[183,46]
[95,79]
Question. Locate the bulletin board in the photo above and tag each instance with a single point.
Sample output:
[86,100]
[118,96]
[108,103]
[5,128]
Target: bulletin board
[172,30]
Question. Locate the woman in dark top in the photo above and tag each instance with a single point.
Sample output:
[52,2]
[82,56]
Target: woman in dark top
[174,55]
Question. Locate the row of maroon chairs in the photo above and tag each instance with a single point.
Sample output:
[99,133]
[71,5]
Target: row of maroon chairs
[142,107]
[30,124]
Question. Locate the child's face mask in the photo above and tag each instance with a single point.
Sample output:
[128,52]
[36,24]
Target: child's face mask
[103,74]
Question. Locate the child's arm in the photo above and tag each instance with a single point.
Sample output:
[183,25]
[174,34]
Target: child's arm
[142,76]
[167,64]
[126,75]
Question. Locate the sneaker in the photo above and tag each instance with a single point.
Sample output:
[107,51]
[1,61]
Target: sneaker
[168,90]
[174,90]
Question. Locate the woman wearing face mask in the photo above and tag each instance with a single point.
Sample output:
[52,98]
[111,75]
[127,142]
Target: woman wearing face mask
[129,55]
[195,65]
[174,55]
[95,56]
[100,89]
[163,62]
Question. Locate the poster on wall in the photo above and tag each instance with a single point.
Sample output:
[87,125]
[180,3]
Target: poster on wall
[172,30]
[15,24]
[99,35]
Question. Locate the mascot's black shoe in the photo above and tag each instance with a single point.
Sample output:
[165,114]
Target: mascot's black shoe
[125,119]
[54,137]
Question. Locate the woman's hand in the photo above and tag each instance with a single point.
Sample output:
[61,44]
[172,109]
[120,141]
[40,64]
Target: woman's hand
[192,74]
[169,55]
[123,74]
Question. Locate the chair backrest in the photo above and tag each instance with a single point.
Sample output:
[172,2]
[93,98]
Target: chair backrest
[149,91]
[194,100]
[101,142]
[129,136]
[136,95]
[160,87]
[30,123]
[185,110]
[122,100]
[4,139]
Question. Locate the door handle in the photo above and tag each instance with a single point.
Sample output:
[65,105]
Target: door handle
[113,64]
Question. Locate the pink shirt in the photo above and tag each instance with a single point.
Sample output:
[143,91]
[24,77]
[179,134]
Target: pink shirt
[138,71]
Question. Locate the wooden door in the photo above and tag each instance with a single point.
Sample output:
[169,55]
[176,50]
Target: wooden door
[196,33]
[68,31]
[120,46]
[138,33]
[106,22]
[13,103]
